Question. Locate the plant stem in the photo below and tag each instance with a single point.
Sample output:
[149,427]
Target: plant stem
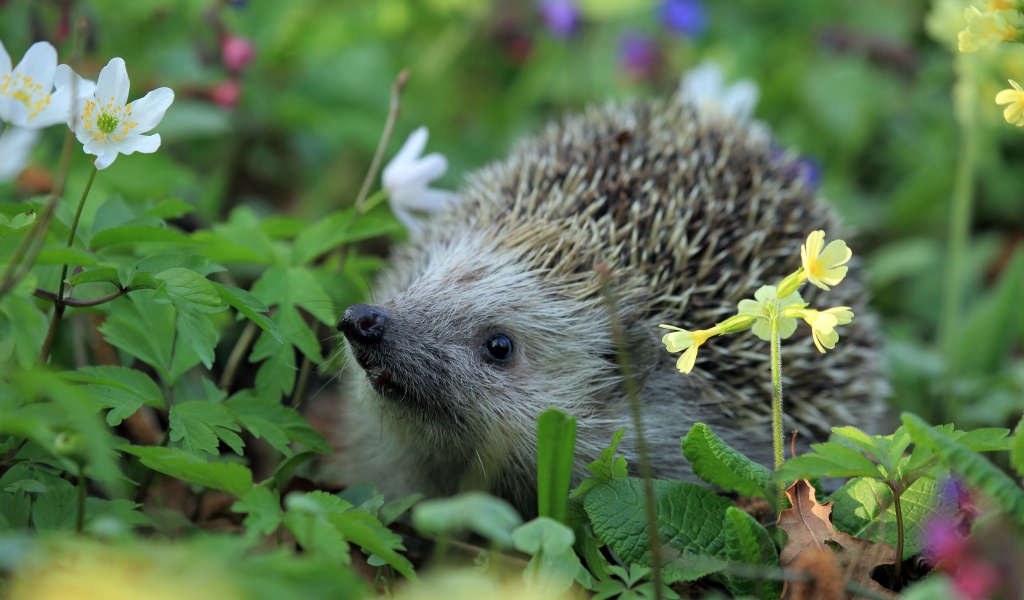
[622,354]
[59,306]
[899,530]
[965,100]
[777,393]
[385,137]
[237,354]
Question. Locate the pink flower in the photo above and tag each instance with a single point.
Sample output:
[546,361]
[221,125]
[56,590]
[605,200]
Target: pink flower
[236,52]
[226,93]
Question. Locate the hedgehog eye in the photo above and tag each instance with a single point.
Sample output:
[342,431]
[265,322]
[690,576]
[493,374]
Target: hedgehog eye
[498,347]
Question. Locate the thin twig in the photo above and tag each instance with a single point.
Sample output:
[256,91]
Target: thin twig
[621,352]
[237,354]
[83,302]
[382,145]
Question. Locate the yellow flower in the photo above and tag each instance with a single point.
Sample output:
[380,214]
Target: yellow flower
[1001,4]
[823,267]
[681,339]
[1014,99]
[823,324]
[987,29]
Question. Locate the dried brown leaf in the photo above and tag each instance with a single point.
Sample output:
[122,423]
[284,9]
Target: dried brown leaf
[809,527]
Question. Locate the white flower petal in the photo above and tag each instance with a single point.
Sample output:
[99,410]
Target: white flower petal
[417,174]
[105,157]
[15,147]
[411,224]
[146,144]
[112,84]
[412,148]
[740,99]
[39,63]
[428,200]
[65,77]
[703,82]
[58,111]
[5,60]
[150,109]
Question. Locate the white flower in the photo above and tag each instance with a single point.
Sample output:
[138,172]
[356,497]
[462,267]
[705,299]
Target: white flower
[406,179]
[107,125]
[27,95]
[705,86]
[15,146]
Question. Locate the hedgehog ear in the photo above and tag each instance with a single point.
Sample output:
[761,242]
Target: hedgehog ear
[643,349]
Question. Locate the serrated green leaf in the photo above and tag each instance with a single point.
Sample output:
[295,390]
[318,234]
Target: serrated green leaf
[487,516]
[232,478]
[748,543]
[336,230]
[860,439]
[556,441]
[60,255]
[189,290]
[99,275]
[718,464]
[828,460]
[198,425]
[276,376]
[136,235]
[196,330]
[689,518]
[306,517]
[986,439]
[143,329]
[864,508]
[25,330]
[974,468]
[262,507]
[121,389]
[250,306]
[609,466]
[276,423]
[367,532]
[158,263]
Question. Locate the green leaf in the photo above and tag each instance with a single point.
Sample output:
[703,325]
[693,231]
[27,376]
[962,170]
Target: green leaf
[276,376]
[556,441]
[199,424]
[748,543]
[487,516]
[136,235]
[689,519]
[168,209]
[18,222]
[974,468]
[60,255]
[232,478]
[986,439]
[262,507]
[143,329]
[250,306]
[21,337]
[864,508]
[718,464]
[828,460]
[553,564]
[122,389]
[306,517]
[197,333]
[189,261]
[609,466]
[336,230]
[984,336]
[367,532]
[1017,451]
[100,275]
[189,290]
[276,423]
[860,439]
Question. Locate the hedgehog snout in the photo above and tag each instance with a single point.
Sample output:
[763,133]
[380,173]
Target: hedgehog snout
[364,324]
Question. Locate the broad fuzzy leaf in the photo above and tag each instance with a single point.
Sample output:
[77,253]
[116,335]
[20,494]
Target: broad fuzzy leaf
[553,564]
[718,464]
[487,516]
[748,543]
[828,460]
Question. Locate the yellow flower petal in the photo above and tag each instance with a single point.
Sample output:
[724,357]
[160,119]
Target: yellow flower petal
[822,267]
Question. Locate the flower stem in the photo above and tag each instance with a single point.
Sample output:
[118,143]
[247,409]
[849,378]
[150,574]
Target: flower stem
[899,530]
[59,306]
[777,393]
[965,100]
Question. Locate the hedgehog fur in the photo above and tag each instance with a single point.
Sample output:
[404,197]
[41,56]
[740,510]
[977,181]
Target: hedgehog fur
[690,213]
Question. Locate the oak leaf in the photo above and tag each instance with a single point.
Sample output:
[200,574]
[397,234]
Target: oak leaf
[809,527]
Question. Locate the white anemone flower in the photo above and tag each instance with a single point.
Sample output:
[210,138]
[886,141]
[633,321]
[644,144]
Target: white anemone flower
[15,146]
[27,95]
[107,124]
[705,86]
[407,177]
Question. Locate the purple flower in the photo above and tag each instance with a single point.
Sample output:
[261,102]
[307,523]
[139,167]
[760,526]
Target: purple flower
[686,17]
[638,56]
[562,17]
[803,168]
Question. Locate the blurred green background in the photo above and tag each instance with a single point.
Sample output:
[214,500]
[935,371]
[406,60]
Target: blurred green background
[862,88]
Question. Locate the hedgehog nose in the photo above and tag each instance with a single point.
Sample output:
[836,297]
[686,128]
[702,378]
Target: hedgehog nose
[364,323]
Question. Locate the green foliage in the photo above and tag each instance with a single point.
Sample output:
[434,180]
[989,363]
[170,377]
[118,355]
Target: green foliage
[556,440]
[716,463]
[553,566]
[486,516]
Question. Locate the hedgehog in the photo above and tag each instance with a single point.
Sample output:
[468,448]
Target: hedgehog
[495,311]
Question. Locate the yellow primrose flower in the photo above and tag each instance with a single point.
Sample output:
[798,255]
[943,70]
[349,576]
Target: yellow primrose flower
[758,307]
[823,267]
[681,339]
[1014,99]
[987,29]
[1001,4]
[823,324]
